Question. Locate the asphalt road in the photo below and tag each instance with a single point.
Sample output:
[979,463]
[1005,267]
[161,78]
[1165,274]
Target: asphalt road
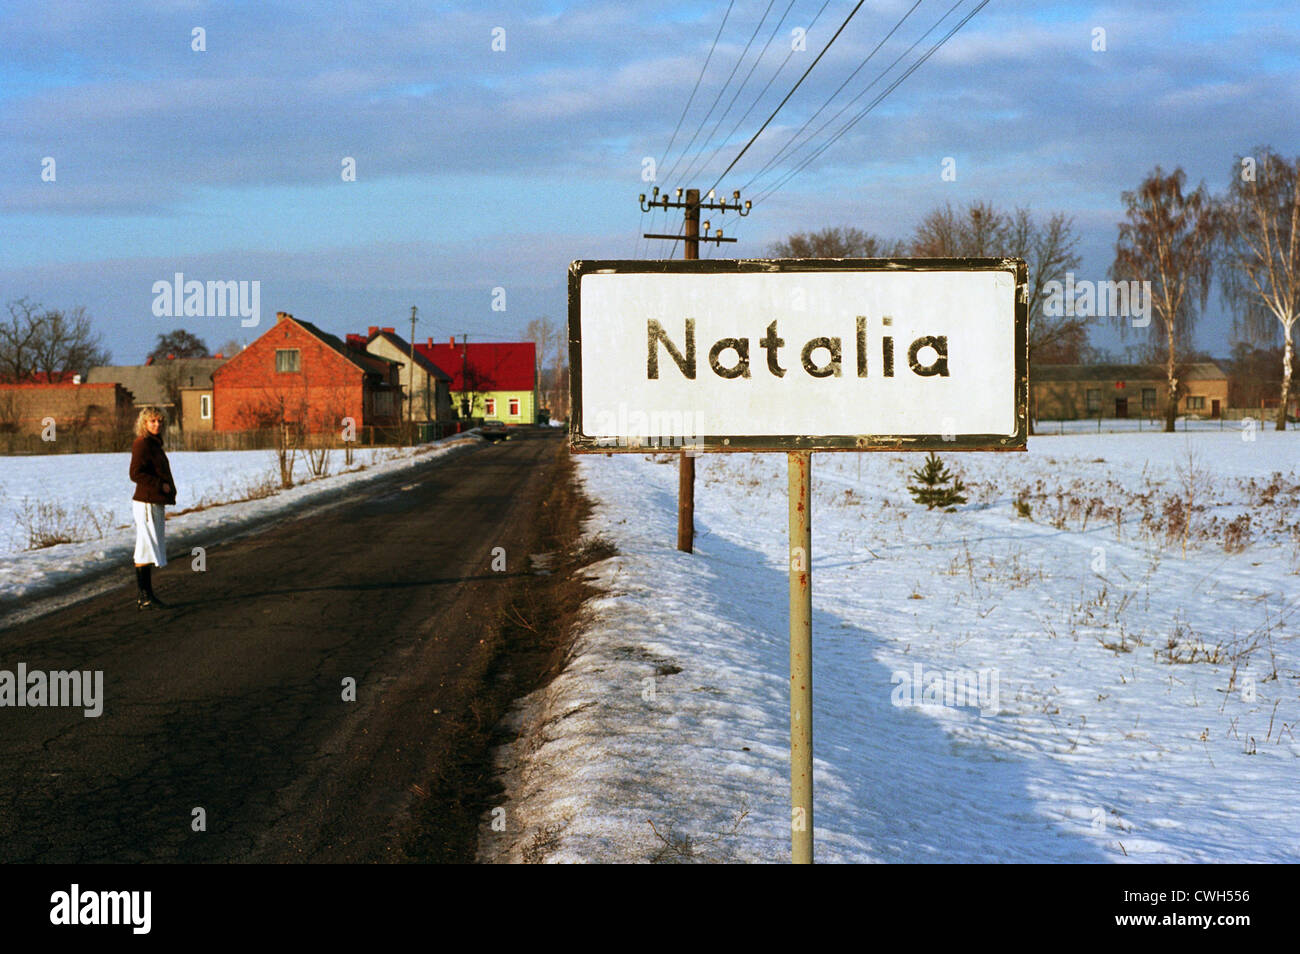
[232,702]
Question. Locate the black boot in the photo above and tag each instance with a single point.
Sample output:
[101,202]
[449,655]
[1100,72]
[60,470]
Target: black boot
[142,599]
[148,588]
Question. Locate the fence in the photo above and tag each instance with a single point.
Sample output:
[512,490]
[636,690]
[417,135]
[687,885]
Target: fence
[119,442]
[68,442]
[1229,419]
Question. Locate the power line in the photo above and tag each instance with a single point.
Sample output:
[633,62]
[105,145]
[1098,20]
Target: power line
[880,97]
[875,102]
[792,90]
[808,122]
[763,92]
[673,138]
[717,36]
[730,77]
[739,89]
[770,164]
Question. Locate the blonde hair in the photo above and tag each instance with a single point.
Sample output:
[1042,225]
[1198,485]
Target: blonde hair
[148,414]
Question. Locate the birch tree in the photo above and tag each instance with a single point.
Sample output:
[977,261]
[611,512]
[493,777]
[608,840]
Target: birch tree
[1261,266]
[1167,239]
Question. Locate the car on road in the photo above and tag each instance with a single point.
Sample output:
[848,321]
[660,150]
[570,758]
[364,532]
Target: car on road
[494,430]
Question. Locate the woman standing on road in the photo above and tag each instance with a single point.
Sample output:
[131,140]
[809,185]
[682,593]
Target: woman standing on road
[154,489]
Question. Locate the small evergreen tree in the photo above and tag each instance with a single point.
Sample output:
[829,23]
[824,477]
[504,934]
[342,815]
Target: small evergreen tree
[933,488]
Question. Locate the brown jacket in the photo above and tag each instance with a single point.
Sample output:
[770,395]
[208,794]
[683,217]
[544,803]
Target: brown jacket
[150,471]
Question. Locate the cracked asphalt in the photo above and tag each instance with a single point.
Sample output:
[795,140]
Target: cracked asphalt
[232,701]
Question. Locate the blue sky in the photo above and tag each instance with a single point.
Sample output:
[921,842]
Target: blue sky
[479,169]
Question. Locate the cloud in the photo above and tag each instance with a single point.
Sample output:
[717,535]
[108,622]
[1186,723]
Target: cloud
[164,150]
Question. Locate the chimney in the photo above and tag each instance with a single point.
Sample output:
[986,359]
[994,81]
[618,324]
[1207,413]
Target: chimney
[430,344]
[148,361]
[219,356]
[372,330]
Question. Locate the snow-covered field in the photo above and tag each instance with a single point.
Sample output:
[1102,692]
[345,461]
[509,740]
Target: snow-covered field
[91,495]
[1140,693]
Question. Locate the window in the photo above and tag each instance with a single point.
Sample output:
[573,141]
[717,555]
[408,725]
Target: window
[1094,400]
[205,406]
[1148,399]
[514,407]
[286,359]
[1196,403]
[490,407]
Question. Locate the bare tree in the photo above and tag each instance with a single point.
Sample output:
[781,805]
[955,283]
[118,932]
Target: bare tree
[68,343]
[546,336]
[837,242]
[474,385]
[47,341]
[560,376]
[1260,271]
[1048,248]
[1253,374]
[179,344]
[284,410]
[981,230]
[169,380]
[1168,240]
[18,341]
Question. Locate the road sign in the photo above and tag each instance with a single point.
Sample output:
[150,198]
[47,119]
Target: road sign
[797,356]
[815,354]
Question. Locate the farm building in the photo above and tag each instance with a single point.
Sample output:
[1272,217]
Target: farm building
[298,373]
[1073,391]
[72,405]
[489,380]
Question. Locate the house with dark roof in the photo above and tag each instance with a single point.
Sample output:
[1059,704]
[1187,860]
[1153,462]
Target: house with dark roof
[1073,391]
[490,379]
[172,385]
[426,386]
[296,372]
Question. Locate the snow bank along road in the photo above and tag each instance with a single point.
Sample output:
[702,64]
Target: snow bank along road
[233,701]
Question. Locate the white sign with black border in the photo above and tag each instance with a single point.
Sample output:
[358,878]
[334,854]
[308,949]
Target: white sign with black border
[838,354]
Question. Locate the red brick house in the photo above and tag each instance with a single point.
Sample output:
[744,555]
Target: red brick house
[297,372]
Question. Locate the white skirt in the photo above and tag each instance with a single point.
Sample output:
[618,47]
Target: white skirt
[150,533]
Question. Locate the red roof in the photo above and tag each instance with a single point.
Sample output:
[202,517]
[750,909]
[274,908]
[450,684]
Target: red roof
[42,377]
[490,366]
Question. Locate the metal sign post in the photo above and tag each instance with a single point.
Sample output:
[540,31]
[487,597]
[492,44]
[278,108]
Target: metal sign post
[795,356]
[799,464]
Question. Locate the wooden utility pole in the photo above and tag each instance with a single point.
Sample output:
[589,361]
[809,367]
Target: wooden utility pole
[410,383]
[466,405]
[686,462]
[690,204]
